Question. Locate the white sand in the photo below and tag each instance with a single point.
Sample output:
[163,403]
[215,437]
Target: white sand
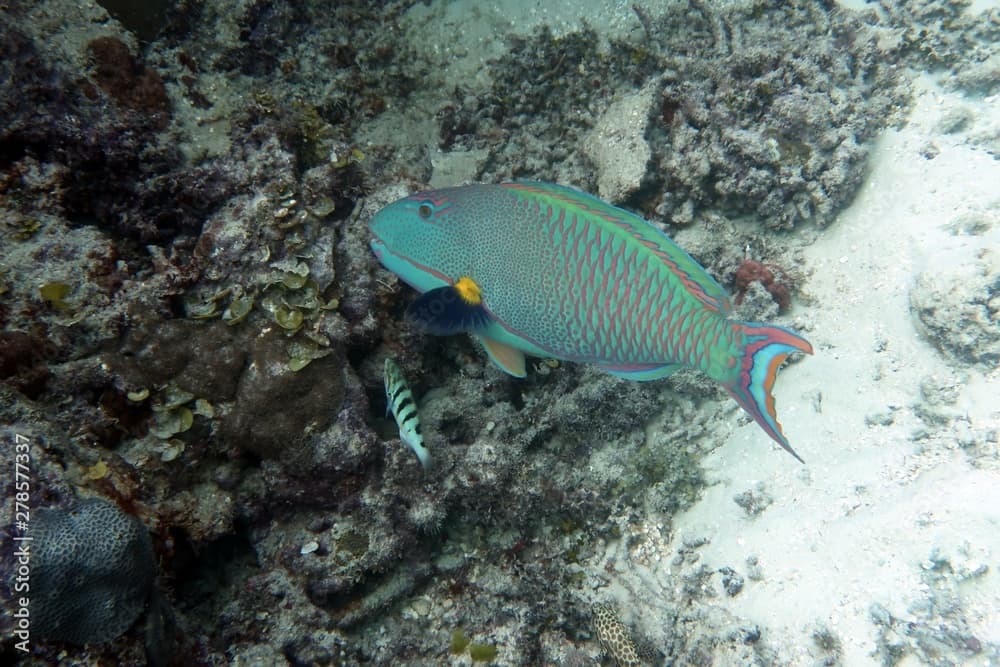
[853,526]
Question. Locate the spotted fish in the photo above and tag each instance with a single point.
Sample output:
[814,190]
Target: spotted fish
[548,271]
[399,401]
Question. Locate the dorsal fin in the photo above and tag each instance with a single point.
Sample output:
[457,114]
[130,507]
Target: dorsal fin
[691,273]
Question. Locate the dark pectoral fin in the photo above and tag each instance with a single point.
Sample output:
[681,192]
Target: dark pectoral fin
[443,312]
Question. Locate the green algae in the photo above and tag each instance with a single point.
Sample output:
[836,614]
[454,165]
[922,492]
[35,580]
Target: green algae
[482,652]
[459,642]
[55,294]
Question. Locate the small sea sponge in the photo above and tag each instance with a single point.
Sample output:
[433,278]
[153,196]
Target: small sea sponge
[615,636]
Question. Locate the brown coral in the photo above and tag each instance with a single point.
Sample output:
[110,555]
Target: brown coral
[130,83]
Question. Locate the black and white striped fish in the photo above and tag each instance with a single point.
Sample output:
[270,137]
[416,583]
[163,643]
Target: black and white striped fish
[399,401]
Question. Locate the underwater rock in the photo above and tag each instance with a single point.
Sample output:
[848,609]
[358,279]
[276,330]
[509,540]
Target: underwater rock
[958,310]
[144,19]
[456,167]
[202,358]
[936,36]
[982,78]
[97,140]
[955,120]
[22,362]
[618,147]
[265,28]
[601,408]
[545,97]
[766,109]
[262,405]
[754,500]
[938,626]
[339,445]
[710,635]
[366,292]
[275,407]
[773,114]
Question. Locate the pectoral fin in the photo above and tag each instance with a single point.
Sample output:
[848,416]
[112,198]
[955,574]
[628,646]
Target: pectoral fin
[508,359]
[451,309]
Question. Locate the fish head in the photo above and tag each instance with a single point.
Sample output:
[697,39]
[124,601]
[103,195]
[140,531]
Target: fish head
[420,238]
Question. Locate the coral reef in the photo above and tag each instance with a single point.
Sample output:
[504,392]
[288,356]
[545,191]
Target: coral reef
[777,126]
[195,329]
[765,108]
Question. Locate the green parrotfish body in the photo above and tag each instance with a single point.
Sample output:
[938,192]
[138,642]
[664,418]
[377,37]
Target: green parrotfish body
[548,271]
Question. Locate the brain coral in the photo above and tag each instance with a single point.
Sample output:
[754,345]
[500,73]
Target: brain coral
[92,570]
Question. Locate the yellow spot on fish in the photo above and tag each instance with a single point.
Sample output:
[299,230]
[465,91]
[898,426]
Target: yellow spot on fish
[469,291]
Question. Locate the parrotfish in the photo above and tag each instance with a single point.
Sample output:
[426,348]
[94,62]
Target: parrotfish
[549,271]
[399,401]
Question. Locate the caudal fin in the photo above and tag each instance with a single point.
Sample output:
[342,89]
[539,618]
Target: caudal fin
[765,349]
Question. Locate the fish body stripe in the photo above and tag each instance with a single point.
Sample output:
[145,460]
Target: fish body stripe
[404,408]
[689,272]
[400,397]
[614,298]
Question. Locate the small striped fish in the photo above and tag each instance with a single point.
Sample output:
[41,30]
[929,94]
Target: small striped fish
[399,401]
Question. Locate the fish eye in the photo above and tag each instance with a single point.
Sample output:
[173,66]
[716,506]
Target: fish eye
[424,211]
